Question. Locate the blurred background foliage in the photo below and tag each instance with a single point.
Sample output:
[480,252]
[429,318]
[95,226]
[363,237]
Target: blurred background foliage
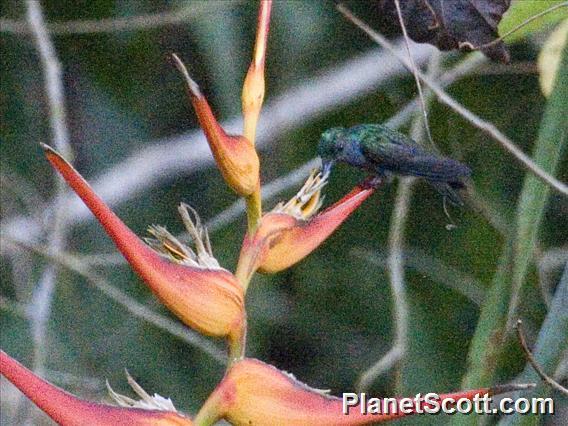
[325,320]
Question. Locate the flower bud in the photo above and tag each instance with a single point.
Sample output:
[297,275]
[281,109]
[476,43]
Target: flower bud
[253,87]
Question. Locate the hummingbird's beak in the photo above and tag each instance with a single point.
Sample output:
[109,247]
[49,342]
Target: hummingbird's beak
[326,168]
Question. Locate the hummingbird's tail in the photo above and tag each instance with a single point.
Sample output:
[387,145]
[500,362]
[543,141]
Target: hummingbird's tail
[449,190]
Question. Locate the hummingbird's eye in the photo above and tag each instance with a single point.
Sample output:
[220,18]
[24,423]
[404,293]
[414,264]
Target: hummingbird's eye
[339,145]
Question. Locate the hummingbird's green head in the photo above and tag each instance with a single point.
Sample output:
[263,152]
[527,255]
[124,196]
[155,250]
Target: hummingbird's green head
[330,147]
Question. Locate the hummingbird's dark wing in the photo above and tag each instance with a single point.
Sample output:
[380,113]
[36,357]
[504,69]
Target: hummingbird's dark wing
[392,151]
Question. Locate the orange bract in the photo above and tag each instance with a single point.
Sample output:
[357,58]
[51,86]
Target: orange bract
[293,230]
[209,300]
[253,392]
[236,156]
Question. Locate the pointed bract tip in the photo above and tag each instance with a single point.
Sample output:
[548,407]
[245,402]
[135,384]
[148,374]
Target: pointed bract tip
[52,153]
[192,86]
[48,149]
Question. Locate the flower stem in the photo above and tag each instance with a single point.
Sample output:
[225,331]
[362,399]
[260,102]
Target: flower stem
[254,210]
[237,342]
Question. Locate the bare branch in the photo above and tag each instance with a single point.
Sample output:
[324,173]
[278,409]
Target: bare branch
[385,363]
[530,358]
[562,370]
[129,23]
[39,307]
[522,24]
[481,124]
[428,265]
[40,304]
[52,75]
[395,261]
[414,72]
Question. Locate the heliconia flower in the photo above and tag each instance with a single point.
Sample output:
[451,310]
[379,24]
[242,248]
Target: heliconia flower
[253,392]
[293,230]
[67,409]
[191,284]
[253,87]
[235,155]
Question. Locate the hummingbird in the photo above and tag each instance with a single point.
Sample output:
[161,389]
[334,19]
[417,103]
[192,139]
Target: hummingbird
[384,152]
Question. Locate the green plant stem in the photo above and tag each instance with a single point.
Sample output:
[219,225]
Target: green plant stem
[487,344]
[254,210]
[237,344]
[209,413]
[243,276]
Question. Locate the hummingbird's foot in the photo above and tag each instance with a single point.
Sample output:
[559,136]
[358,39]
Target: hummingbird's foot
[372,182]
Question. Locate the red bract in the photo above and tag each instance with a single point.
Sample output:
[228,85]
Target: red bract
[206,298]
[67,409]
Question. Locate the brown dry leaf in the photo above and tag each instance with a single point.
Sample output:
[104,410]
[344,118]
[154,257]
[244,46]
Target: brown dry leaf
[451,24]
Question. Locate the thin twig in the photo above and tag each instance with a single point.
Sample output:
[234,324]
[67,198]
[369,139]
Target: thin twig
[21,190]
[129,23]
[481,124]
[189,152]
[137,309]
[395,271]
[433,268]
[14,307]
[395,262]
[385,363]
[414,72]
[52,75]
[42,296]
[530,358]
